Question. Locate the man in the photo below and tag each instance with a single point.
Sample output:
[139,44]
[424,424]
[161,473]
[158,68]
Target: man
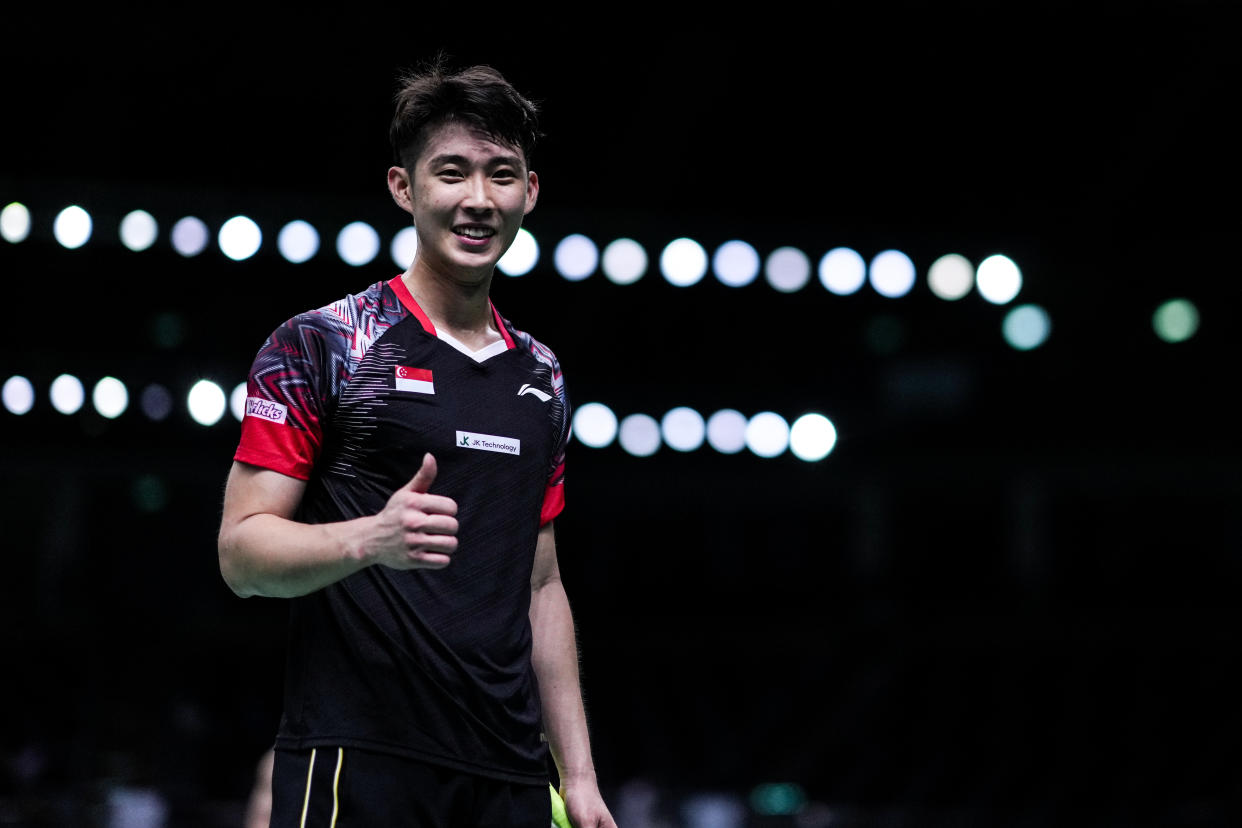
[399,469]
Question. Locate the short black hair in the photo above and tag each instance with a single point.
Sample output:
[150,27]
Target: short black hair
[477,96]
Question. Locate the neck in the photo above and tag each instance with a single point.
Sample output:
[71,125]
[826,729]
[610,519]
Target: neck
[461,309]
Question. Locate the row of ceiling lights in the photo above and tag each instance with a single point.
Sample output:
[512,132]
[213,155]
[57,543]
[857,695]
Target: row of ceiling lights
[682,262]
[809,437]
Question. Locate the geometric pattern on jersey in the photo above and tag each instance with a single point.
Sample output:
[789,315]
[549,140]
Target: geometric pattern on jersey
[430,664]
[307,363]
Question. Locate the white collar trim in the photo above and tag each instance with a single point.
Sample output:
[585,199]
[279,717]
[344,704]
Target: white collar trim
[484,353]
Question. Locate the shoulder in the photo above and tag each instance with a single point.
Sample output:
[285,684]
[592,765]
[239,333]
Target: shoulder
[529,344]
[343,316]
[353,309]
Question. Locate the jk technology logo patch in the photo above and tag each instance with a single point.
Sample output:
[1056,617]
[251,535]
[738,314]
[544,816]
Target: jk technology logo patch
[488,442]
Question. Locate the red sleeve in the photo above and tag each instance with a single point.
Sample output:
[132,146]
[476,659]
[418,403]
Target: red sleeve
[276,446]
[553,496]
[281,426]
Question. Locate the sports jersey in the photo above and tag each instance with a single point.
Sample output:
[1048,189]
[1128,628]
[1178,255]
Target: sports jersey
[431,664]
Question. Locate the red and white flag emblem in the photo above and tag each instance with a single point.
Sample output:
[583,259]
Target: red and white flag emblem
[417,380]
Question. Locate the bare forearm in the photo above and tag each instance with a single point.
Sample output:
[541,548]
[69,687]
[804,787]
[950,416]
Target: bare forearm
[555,659]
[276,557]
[264,551]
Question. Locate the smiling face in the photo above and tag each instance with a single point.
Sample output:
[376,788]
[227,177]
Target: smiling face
[468,196]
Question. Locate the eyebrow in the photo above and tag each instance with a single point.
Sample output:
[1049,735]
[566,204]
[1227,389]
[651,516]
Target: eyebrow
[494,161]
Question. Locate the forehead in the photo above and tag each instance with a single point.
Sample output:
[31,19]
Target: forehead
[464,141]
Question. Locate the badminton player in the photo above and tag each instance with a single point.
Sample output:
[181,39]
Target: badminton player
[398,474]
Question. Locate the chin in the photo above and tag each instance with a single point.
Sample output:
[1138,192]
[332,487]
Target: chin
[475,271]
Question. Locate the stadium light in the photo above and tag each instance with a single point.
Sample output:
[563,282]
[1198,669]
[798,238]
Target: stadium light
[156,402]
[67,394]
[237,401]
[998,279]
[624,261]
[404,247]
[1176,320]
[736,263]
[767,434]
[951,277]
[787,269]
[357,244]
[15,222]
[522,255]
[239,238]
[575,257]
[72,227]
[206,402]
[812,437]
[139,230]
[639,435]
[595,425]
[298,241]
[18,395]
[726,431]
[1026,327]
[683,262]
[683,429]
[110,397]
[190,236]
[892,274]
[842,271]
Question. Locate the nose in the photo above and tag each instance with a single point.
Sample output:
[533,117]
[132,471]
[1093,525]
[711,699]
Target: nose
[478,195]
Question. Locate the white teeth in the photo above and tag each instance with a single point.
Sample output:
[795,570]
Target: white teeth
[475,232]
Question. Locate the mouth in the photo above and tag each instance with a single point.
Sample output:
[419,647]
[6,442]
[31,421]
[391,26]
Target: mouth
[474,233]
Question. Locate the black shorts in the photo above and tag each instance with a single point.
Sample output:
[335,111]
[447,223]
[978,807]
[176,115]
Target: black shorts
[332,787]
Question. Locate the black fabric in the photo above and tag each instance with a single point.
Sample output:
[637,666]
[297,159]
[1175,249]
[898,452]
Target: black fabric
[352,788]
[428,664]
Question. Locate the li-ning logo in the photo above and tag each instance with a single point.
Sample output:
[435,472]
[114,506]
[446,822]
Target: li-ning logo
[527,389]
[488,442]
[266,409]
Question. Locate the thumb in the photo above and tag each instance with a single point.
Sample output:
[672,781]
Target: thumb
[425,476]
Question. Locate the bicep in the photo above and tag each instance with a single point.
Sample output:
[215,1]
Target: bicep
[257,503]
[253,490]
[546,568]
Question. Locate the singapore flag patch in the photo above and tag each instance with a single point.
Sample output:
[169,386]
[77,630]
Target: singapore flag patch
[417,380]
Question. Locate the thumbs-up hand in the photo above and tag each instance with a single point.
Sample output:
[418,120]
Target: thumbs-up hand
[425,476]
[418,530]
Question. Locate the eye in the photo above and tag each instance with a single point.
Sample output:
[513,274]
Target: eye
[450,174]
[505,175]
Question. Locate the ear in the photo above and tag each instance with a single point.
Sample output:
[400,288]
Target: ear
[532,191]
[399,185]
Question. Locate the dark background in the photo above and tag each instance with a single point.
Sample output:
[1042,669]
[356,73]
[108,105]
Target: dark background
[1007,597]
